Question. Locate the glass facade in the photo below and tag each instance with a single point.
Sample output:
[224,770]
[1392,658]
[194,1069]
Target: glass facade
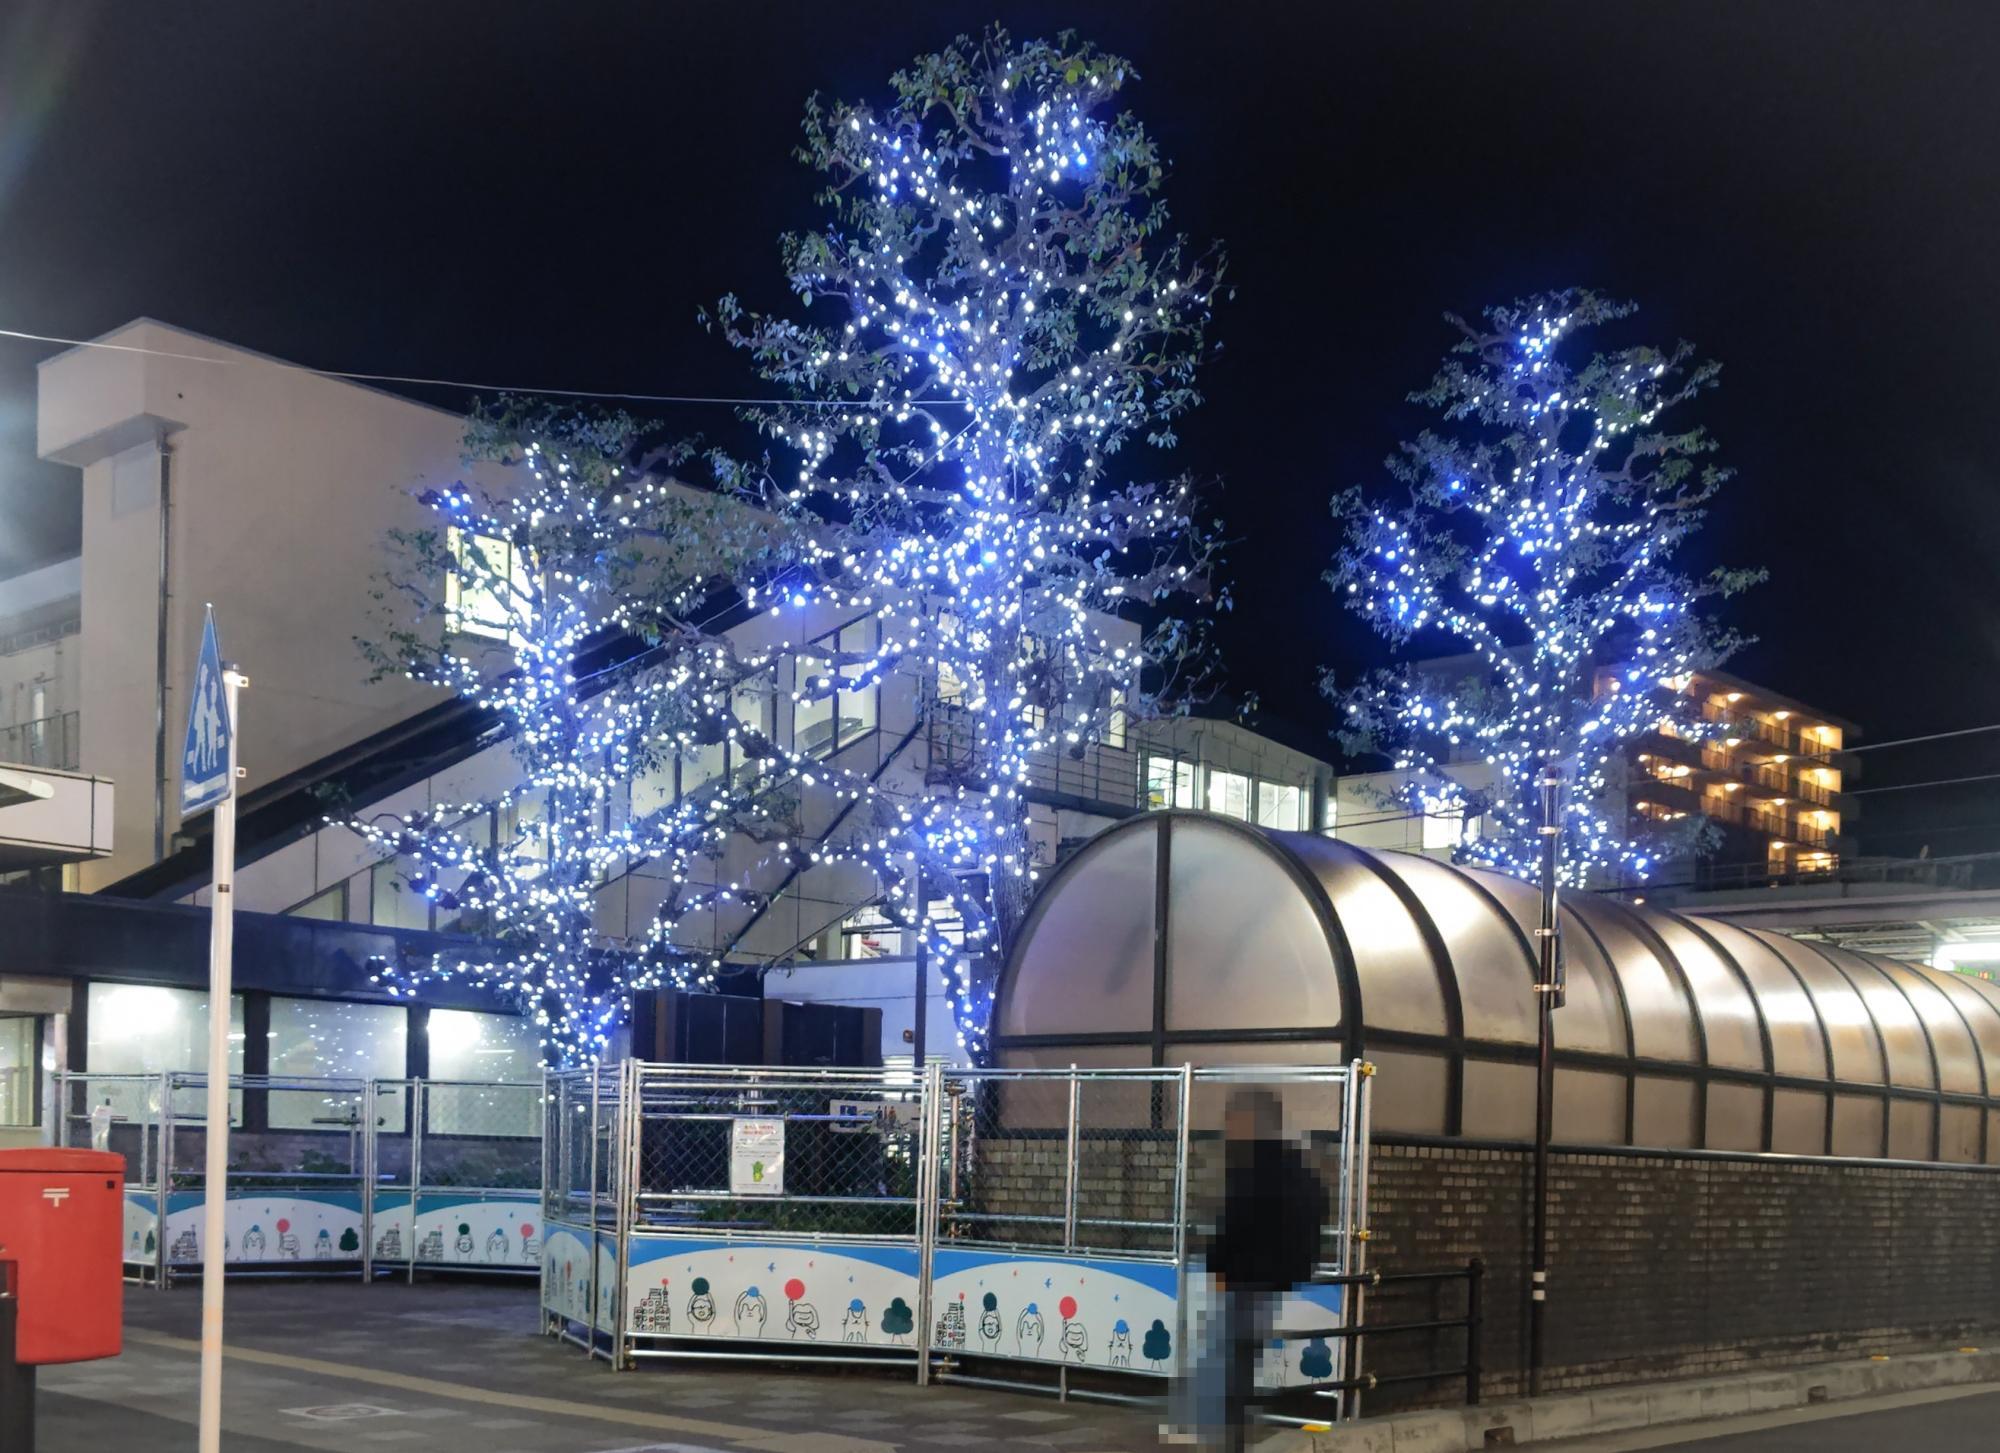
[327,1038]
[19,1064]
[145,1029]
[466,1045]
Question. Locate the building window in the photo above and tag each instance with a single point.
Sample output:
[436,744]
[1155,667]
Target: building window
[822,722]
[867,933]
[1118,722]
[754,705]
[1281,806]
[1444,825]
[330,904]
[1229,794]
[393,903]
[18,1064]
[143,1029]
[333,1039]
[1169,782]
[475,601]
[470,1053]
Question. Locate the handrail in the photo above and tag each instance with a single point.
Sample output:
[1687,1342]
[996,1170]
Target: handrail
[1473,1274]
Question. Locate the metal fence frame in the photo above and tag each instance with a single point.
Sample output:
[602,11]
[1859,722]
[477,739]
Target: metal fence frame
[605,1193]
[155,1172]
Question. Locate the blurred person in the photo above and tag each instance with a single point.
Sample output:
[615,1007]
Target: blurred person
[1266,1241]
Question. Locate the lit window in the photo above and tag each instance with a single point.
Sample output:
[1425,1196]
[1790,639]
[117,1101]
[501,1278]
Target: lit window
[824,722]
[328,1038]
[486,592]
[1169,783]
[1281,806]
[496,1062]
[141,1029]
[1444,825]
[20,1062]
[867,933]
[1229,794]
[1115,725]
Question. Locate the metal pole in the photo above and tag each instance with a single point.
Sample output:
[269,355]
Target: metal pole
[1548,996]
[1069,1163]
[921,1003]
[215,1173]
[416,1110]
[160,660]
[1364,1089]
[368,1181]
[928,1181]
[163,1159]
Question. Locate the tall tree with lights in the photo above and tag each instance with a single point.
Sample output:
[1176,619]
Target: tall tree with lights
[996,312]
[1534,534]
[582,608]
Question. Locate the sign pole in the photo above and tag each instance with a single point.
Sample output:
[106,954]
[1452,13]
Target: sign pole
[215,1170]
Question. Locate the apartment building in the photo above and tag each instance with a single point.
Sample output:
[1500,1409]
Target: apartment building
[1770,772]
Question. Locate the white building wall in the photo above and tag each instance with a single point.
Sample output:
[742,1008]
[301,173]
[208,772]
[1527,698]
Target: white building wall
[281,485]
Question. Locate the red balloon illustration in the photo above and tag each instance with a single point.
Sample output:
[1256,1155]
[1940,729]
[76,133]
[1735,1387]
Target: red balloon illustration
[794,1289]
[283,1225]
[1067,1306]
[527,1228]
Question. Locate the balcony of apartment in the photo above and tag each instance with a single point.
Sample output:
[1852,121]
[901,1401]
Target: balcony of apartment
[1100,774]
[54,742]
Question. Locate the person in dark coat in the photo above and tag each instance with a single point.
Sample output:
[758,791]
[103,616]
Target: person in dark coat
[1265,1242]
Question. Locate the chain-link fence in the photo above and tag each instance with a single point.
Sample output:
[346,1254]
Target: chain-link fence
[766,1210]
[1073,1207]
[325,1175]
[580,1157]
[458,1177]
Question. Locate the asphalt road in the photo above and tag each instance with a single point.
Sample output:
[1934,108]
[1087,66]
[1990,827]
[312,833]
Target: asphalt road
[1945,1420]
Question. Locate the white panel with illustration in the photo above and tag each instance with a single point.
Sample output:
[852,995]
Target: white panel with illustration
[495,1232]
[1087,1312]
[281,1229]
[772,1292]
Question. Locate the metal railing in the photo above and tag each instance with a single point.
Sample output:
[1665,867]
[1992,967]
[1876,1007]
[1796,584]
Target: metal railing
[325,1174]
[978,1217]
[54,742]
[1470,1369]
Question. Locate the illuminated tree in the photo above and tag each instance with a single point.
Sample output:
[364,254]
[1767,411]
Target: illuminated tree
[997,319]
[584,609]
[1534,535]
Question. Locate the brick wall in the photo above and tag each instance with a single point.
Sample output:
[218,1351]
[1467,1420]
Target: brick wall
[1124,1177]
[1676,1266]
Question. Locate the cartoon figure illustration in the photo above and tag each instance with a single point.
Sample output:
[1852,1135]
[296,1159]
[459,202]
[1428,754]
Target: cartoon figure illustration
[389,1245]
[802,1319]
[1120,1351]
[1316,1362]
[1158,1346]
[701,1306]
[463,1245]
[1028,1331]
[854,1322]
[898,1321]
[323,1245]
[288,1244]
[253,1241]
[750,1313]
[497,1245]
[566,1285]
[531,1246]
[989,1321]
[1074,1342]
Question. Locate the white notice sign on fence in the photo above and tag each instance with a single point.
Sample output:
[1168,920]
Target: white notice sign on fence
[756,1157]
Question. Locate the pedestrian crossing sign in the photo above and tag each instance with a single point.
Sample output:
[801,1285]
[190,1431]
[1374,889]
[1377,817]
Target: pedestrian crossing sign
[205,778]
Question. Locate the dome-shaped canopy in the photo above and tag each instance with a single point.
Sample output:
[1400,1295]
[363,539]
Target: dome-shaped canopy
[1181,937]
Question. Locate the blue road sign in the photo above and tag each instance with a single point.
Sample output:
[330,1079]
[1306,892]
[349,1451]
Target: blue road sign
[205,758]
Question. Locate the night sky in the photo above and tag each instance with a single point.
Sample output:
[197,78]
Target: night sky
[543,194]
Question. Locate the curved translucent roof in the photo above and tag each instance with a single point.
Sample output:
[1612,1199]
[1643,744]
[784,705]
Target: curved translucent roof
[1186,937]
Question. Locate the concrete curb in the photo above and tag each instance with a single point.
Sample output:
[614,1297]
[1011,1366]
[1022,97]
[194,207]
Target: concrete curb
[1621,1409]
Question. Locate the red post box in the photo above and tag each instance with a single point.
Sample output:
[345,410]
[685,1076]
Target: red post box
[62,1224]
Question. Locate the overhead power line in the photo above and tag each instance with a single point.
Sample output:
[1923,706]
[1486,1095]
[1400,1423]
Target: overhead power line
[1913,786]
[459,383]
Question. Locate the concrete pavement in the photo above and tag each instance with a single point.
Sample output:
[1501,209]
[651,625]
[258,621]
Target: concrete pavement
[456,1367]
